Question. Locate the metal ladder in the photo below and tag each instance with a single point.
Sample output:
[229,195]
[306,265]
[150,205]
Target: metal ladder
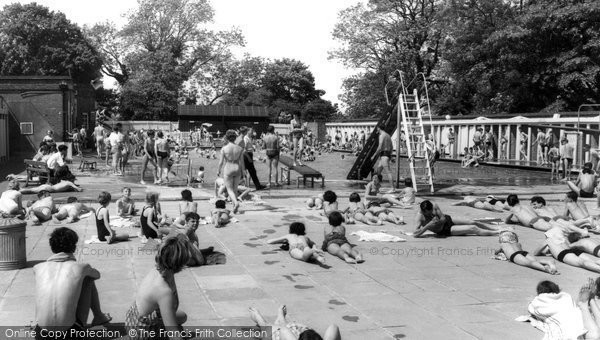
[411,111]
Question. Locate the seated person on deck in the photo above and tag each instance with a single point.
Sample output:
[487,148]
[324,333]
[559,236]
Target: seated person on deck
[372,193]
[125,205]
[11,200]
[65,290]
[585,184]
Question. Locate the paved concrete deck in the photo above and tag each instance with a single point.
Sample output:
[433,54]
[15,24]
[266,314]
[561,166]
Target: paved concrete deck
[426,288]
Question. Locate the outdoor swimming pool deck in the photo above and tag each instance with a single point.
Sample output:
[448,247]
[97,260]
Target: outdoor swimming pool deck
[428,288]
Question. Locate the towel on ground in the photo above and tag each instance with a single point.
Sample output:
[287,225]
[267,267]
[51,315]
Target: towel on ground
[94,239]
[366,236]
[122,222]
[556,315]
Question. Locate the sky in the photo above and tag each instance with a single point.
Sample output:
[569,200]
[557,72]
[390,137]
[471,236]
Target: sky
[272,29]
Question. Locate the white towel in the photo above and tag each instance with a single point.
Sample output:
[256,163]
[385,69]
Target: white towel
[556,315]
[365,236]
[120,222]
[94,239]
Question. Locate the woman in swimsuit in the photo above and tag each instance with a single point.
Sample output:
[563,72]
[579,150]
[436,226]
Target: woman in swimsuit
[301,247]
[161,145]
[297,127]
[512,249]
[233,171]
[157,302]
[384,214]
[282,329]
[358,212]
[336,243]
[372,192]
[561,250]
[149,156]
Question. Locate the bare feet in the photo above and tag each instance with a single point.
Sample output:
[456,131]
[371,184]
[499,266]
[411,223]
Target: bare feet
[257,317]
[102,319]
[349,259]
[359,258]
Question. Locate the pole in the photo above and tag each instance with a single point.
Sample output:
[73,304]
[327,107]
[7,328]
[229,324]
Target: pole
[398,134]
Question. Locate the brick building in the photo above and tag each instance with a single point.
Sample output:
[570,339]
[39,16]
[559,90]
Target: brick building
[36,104]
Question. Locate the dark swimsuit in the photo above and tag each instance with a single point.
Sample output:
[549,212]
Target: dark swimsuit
[101,228]
[387,154]
[520,252]
[585,194]
[447,227]
[562,254]
[146,230]
[333,238]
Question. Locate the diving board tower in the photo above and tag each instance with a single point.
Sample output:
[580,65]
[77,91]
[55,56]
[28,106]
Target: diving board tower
[411,108]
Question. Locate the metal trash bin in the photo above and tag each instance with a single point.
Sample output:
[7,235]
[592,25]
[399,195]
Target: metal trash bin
[12,244]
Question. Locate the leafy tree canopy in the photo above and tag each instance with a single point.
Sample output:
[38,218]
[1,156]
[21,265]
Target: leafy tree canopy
[37,41]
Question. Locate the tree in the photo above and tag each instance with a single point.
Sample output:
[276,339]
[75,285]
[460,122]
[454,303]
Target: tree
[381,37]
[319,109]
[37,41]
[162,45]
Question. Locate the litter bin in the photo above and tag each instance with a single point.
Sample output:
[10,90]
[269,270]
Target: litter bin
[12,244]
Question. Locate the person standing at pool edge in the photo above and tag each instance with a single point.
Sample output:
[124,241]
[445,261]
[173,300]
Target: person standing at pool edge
[384,152]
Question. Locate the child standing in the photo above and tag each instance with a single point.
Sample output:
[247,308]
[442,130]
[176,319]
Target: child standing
[105,232]
[336,243]
[301,247]
[554,159]
[125,205]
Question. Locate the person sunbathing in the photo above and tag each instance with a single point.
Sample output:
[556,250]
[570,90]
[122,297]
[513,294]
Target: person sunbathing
[526,215]
[330,203]
[11,200]
[431,218]
[315,202]
[578,211]
[65,290]
[512,249]
[357,212]
[300,246]
[285,330]
[71,211]
[62,186]
[156,302]
[372,193]
[489,203]
[220,215]
[588,245]
[538,203]
[384,214]
[335,241]
[42,209]
[244,193]
[561,250]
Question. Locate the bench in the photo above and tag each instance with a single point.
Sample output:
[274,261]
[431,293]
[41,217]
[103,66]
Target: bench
[304,171]
[37,168]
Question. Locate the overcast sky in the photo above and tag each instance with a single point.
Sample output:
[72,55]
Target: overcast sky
[272,28]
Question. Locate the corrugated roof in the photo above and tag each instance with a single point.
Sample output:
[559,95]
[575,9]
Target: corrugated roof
[222,111]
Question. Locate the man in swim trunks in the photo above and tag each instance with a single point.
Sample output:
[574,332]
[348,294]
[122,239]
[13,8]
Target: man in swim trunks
[71,211]
[561,250]
[65,289]
[271,142]
[578,211]
[525,215]
[566,153]
[512,249]
[384,152]
[430,217]
[538,203]
[585,184]
[99,138]
[42,209]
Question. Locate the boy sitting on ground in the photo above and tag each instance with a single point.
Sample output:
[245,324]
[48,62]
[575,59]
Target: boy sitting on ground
[125,205]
